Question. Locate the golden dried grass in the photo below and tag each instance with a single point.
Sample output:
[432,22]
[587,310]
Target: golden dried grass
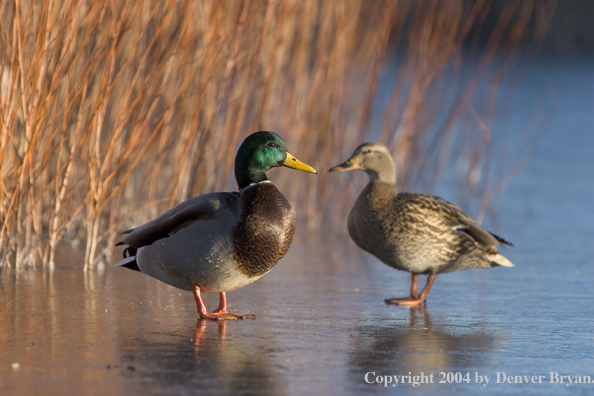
[112,111]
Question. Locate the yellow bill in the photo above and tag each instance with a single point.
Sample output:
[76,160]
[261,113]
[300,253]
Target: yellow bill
[294,163]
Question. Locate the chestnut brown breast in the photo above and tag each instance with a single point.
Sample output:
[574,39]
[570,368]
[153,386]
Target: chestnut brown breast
[265,232]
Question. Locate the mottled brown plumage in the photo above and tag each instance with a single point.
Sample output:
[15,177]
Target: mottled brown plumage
[418,233]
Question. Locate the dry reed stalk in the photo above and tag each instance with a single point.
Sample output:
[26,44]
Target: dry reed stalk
[109,106]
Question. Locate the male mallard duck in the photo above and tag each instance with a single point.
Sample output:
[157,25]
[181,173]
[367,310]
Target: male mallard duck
[221,241]
[418,233]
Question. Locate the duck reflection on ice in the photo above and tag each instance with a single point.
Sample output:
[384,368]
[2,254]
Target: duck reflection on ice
[208,356]
[420,346]
[202,342]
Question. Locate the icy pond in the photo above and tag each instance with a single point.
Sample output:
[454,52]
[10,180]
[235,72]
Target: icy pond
[322,326]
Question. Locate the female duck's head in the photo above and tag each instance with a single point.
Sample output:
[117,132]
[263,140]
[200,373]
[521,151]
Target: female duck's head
[373,158]
[258,153]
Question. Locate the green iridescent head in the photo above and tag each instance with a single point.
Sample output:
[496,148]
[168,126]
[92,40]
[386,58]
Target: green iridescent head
[258,153]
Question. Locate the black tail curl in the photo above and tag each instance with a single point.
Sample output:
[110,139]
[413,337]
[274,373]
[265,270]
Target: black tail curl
[130,251]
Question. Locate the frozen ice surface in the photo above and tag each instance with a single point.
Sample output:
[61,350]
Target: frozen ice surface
[321,323]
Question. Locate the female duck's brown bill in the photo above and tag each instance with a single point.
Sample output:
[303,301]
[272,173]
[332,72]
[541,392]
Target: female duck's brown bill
[348,165]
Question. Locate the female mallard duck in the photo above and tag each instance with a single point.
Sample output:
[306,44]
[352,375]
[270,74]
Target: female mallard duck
[222,241]
[418,233]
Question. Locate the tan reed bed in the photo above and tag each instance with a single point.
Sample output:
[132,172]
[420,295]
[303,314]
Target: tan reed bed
[113,111]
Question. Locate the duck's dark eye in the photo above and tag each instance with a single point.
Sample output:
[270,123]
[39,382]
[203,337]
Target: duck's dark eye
[273,145]
[367,152]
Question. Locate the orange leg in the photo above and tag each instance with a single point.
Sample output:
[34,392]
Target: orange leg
[414,293]
[415,298]
[221,312]
[223,308]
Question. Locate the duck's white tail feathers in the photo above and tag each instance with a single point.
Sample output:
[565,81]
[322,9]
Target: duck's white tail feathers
[500,260]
